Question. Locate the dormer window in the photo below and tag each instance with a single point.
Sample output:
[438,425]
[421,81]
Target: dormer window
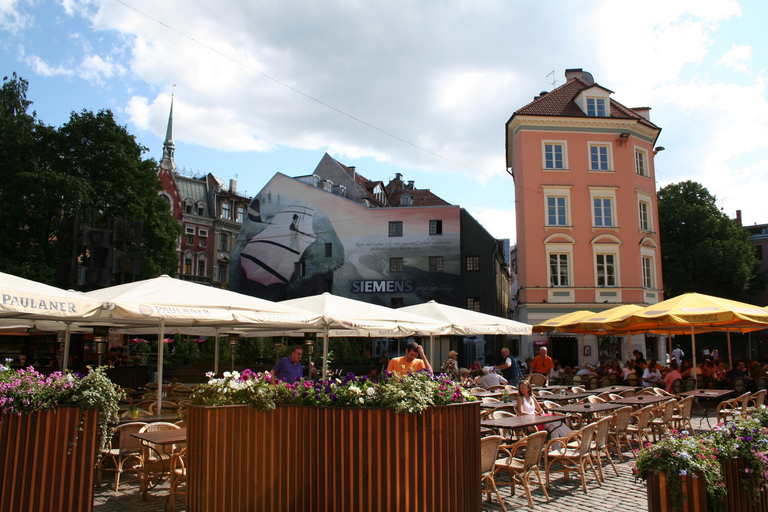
[406,200]
[596,107]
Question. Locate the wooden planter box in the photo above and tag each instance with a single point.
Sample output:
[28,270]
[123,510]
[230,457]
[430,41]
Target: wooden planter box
[659,498]
[738,499]
[36,474]
[331,459]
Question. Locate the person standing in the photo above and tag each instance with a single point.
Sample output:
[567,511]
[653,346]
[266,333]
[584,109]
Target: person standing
[414,360]
[678,355]
[451,366]
[509,369]
[289,369]
[542,363]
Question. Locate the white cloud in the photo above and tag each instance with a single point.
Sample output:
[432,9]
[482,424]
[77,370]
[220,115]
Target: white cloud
[499,223]
[43,68]
[98,70]
[736,57]
[13,17]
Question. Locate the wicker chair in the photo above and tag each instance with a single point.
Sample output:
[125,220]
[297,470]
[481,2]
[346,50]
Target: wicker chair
[489,448]
[592,383]
[633,380]
[605,382]
[727,409]
[178,476]
[662,419]
[761,383]
[599,445]
[757,399]
[571,459]
[678,386]
[690,384]
[567,380]
[520,469]
[638,431]
[739,384]
[141,412]
[538,379]
[167,408]
[617,434]
[155,460]
[507,434]
[498,387]
[681,419]
[128,449]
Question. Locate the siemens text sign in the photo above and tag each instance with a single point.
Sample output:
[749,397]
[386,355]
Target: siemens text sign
[382,286]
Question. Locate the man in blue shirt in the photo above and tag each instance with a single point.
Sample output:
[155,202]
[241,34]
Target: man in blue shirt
[509,369]
[288,369]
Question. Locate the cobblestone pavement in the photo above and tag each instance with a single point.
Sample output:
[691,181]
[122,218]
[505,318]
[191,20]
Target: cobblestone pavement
[616,493]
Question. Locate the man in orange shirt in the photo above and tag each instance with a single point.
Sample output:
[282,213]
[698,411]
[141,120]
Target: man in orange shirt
[542,363]
[413,361]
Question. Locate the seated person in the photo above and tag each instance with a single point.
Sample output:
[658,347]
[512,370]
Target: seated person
[672,375]
[629,369]
[465,379]
[686,369]
[556,373]
[739,370]
[756,370]
[490,378]
[652,375]
[585,371]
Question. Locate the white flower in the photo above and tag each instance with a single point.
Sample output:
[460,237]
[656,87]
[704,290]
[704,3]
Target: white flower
[210,375]
[227,375]
[371,391]
[355,389]
[361,400]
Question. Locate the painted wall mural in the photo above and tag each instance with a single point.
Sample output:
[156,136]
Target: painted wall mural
[297,239]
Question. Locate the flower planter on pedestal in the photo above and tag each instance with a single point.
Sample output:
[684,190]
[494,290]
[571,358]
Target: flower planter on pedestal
[331,459]
[36,473]
[660,499]
[740,499]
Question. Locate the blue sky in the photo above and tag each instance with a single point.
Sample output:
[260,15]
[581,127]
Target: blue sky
[266,87]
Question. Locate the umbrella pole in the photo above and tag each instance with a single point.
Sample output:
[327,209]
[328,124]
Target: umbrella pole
[160,336]
[216,355]
[325,351]
[730,356]
[693,350]
[65,355]
[431,347]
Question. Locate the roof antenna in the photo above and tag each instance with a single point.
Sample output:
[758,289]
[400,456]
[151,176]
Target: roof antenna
[552,74]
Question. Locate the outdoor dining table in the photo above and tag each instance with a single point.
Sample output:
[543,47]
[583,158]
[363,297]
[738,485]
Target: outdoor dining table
[708,393]
[614,389]
[163,437]
[557,397]
[641,400]
[518,422]
[498,405]
[153,418]
[587,410]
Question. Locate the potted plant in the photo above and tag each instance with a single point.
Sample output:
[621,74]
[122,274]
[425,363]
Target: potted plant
[134,409]
[362,445]
[76,412]
[681,470]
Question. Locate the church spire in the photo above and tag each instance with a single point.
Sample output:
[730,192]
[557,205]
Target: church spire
[168,146]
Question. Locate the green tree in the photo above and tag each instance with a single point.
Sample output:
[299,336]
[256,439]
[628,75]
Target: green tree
[702,249]
[90,164]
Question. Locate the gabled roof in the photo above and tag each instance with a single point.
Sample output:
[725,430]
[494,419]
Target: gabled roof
[421,197]
[560,103]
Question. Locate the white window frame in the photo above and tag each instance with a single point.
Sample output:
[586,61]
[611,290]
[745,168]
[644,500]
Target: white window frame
[603,193]
[644,161]
[563,145]
[435,227]
[559,243]
[605,264]
[597,101]
[647,199]
[568,267]
[406,200]
[648,282]
[557,192]
[608,155]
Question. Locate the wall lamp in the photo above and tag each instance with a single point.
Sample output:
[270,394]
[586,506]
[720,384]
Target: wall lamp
[623,136]
[657,149]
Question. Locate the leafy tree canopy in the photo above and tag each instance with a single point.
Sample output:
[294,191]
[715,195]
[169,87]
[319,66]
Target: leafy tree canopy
[702,249]
[90,164]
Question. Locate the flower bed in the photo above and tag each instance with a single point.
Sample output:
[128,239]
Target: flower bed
[731,462]
[346,445]
[51,432]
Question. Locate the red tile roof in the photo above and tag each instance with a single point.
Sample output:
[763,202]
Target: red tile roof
[422,197]
[559,103]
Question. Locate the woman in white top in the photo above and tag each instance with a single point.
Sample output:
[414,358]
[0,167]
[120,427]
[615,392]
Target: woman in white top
[526,402]
[651,375]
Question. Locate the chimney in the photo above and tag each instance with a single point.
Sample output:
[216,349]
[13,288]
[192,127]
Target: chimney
[570,74]
[351,170]
[644,112]
[738,217]
[233,186]
[410,185]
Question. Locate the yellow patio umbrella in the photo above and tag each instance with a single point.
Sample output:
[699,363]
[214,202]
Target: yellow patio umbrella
[595,323]
[697,311]
[553,324]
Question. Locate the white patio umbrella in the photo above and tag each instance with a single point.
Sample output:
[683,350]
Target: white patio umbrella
[465,322]
[164,302]
[24,302]
[367,319]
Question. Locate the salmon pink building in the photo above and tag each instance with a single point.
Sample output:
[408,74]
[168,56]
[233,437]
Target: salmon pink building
[587,226]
